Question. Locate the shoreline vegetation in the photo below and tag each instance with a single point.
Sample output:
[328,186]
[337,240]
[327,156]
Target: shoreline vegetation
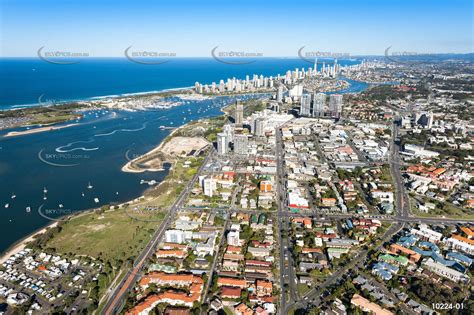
[115,234]
[21,244]
[50,113]
[37,130]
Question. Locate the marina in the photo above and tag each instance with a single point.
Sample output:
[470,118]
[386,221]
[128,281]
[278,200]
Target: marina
[69,177]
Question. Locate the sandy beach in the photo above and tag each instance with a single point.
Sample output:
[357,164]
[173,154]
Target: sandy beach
[36,130]
[19,246]
[128,167]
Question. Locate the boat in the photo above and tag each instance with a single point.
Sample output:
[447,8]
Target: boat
[28,209]
[89,186]
[82,194]
[44,198]
[116,192]
[13,196]
[7,205]
[96,200]
[45,190]
[61,205]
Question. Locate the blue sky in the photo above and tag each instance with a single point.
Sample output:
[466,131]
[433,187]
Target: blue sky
[274,28]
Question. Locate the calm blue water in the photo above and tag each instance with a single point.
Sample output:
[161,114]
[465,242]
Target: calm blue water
[65,161]
[23,81]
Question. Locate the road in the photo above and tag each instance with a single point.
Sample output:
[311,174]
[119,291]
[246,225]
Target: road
[313,297]
[401,198]
[384,290]
[119,293]
[287,267]
[216,259]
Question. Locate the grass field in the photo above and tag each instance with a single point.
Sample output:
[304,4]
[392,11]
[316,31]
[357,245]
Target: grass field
[302,288]
[167,192]
[111,236]
[446,210]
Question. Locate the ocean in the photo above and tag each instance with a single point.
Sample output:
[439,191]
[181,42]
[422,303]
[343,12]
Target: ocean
[66,161]
[24,80]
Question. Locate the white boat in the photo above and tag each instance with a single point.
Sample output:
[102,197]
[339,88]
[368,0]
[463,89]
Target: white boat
[7,205]
[96,200]
[13,196]
[28,209]
[82,194]
[89,186]
[116,192]
[45,190]
[61,205]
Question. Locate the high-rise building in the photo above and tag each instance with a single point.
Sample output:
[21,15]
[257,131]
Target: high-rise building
[175,236]
[222,143]
[209,186]
[296,91]
[280,94]
[221,86]
[335,105]
[259,126]
[305,107]
[239,113]
[424,119]
[228,131]
[233,238]
[241,144]
[319,102]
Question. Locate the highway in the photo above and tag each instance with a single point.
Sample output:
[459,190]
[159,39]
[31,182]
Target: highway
[119,293]
[402,202]
[287,267]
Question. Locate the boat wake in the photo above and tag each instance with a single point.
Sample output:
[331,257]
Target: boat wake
[120,130]
[63,149]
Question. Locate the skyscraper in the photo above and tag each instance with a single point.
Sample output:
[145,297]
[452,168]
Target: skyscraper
[335,105]
[209,185]
[239,113]
[259,126]
[280,94]
[228,131]
[241,144]
[222,143]
[319,101]
[305,108]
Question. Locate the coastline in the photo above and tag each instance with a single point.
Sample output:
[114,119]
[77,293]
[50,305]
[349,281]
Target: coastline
[127,168]
[94,98]
[22,243]
[37,130]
